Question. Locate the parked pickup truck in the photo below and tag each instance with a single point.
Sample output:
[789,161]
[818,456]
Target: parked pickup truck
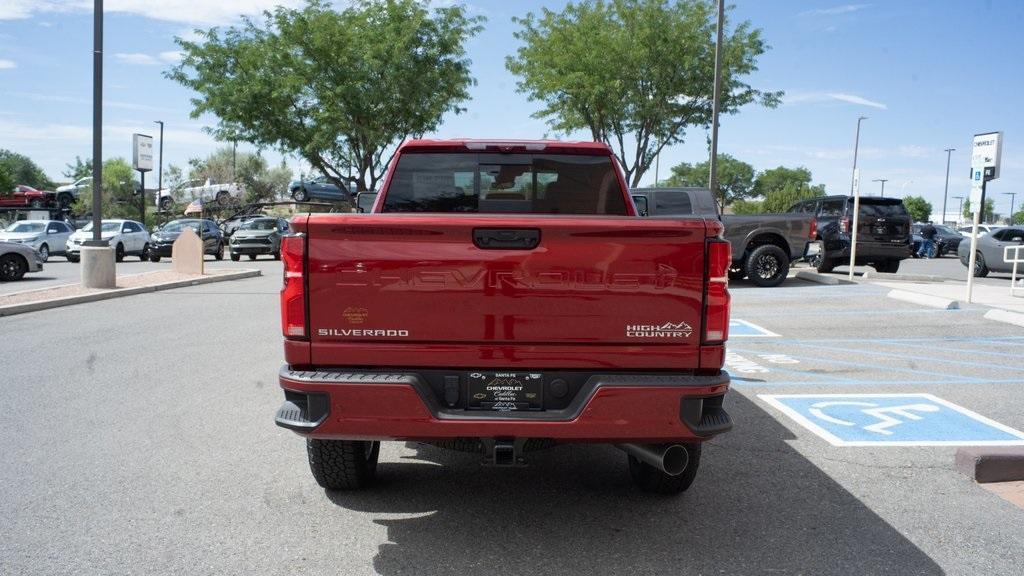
[763,245]
[502,297]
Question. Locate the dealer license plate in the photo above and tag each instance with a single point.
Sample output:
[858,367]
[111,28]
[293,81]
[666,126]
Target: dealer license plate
[506,391]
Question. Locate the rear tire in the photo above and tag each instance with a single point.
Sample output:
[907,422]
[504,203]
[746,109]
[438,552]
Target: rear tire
[252,256]
[650,479]
[12,267]
[767,266]
[72,258]
[223,198]
[301,195]
[119,253]
[822,263]
[235,257]
[154,258]
[36,203]
[343,464]
[144,255]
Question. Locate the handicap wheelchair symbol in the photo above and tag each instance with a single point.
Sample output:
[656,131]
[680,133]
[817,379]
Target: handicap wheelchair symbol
[882,413]
[892,420]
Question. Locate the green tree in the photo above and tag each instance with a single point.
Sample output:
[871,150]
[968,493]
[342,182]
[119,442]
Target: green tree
[990,208]
[338,88]
[747,207]
[80,169]
[1017,218]
[7,181]
[119,194]
[636,74]
[776,179]
[24,171]
[735,178]
[920,210]
[778,201]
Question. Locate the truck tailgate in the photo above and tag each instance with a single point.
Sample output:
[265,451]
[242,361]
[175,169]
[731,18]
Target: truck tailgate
[425,290]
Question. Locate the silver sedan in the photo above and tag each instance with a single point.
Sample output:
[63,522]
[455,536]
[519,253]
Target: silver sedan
[990,250]
[16,260]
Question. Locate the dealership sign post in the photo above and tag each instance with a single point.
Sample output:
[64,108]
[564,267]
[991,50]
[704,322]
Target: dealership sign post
[986,152]
[142,160]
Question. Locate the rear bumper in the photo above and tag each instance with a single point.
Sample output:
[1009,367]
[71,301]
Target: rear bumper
[872,251]
[398,405]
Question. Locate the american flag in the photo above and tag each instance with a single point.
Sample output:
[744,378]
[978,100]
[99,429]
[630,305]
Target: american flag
[196,206]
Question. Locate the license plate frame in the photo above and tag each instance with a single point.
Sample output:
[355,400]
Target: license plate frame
[505,391]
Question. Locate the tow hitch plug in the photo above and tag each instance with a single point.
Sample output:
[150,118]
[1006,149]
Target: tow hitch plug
[498,452]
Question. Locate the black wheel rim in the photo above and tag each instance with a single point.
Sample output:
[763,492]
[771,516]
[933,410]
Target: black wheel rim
[815,260]
[767,266]
[8,268]
[979,263]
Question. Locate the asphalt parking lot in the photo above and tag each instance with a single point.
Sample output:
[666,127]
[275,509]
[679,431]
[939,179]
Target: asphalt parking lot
[138,438]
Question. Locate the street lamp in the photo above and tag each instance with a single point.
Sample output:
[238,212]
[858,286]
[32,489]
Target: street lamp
[856,145]
[883,181]
[1012,195]
[945,191]
[960,208]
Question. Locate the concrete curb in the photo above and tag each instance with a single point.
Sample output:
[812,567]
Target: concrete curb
[991,463]
[13,309]
[1000,315]
[816,278]
[924,299]
[872,275]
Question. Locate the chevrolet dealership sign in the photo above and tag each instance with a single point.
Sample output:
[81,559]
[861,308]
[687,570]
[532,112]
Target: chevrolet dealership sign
[986,153]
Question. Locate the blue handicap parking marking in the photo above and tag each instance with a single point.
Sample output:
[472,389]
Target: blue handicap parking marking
[892,420]
[743,329]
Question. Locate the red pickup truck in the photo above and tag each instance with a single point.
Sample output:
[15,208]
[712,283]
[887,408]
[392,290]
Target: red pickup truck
[503,297]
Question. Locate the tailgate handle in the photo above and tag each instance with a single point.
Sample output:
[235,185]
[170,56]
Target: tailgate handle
[506,238]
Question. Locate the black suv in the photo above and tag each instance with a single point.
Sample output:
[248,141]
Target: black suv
[883,239]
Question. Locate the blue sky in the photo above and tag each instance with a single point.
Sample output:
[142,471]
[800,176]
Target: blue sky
[928,74]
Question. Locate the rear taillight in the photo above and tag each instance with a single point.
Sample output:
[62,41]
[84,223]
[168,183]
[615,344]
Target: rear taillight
[813,233]
[293,294]
[845,225]
[716,305]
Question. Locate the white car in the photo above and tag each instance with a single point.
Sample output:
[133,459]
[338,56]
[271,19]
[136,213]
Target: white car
[76,187]
[47,237]
[125,236]
[205,190]
[983,229]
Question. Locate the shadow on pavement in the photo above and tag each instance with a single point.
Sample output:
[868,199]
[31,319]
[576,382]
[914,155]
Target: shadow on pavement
[757,507]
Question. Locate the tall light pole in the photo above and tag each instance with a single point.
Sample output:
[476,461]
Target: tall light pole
[716,105]
[960,209]
[160,168]
[97,123]
[856,145]
[883,181]
[949,151]
[1012,195]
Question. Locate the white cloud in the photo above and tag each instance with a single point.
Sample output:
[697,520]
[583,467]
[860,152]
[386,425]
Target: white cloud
[835,10]
[170,56]
[191,11]
[798,97]
[85,101]
[137,58]
[7,64]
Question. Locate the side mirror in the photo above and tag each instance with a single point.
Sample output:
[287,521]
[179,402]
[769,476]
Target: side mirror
[364,201]
[641,205]
[1018,239]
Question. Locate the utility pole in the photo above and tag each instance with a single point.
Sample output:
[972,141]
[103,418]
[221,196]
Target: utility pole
[160,168]
[949,151]
[1012,196]
[856,145]
[883,181]
[716,105]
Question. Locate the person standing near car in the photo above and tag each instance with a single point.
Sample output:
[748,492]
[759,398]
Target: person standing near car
[928,232]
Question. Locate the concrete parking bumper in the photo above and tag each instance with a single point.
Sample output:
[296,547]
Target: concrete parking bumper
[991,463]
[54,297]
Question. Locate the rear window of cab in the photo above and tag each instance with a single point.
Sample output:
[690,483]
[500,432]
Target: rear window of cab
[505,183]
